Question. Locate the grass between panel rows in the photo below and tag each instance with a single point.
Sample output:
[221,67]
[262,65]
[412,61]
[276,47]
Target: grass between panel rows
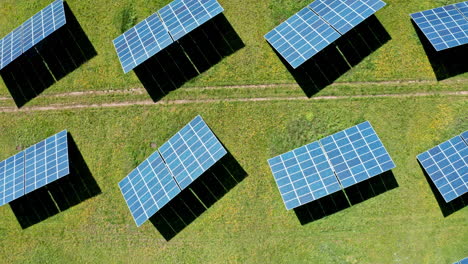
[249,224]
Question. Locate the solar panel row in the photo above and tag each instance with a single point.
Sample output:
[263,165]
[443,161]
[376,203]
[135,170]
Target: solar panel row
[330,164]
[12,178]
[34,167]
[177,163]
[447,166]
[314,27]
[182,16]
[303,175]
[161,29]
[357,154]
[345,15]
[148,188]
[31,32]
[192,151]
[445,27]
[301,36]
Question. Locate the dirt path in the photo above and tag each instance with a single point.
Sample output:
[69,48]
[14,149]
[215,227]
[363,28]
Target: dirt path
[139,91]
[174,102]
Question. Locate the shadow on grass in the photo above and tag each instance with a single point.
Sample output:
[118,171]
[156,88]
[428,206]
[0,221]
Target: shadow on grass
[59,195]
[339,57]
[198,197]
[49,61]
[446,208]
[341,200]
[321,208]
[188,57]
[445,63]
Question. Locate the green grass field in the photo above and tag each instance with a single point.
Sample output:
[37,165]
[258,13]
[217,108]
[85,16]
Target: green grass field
[395,88]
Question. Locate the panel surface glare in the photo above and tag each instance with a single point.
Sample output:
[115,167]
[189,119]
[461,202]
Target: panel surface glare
[192,151]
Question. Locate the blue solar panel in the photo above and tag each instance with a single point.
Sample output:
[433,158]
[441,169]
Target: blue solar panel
[12,178]
[161,29]
[183,16]
[46,161]
[463,8]
[447,166]
[303,175]
[343,15]
[464,135]
[32,32]
[148,188]
[445,27]
[301,36]
[463,261]
[142,42]
[356,154]
[192,151]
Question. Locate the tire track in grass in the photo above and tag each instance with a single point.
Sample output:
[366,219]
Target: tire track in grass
[138,91]
[258,99]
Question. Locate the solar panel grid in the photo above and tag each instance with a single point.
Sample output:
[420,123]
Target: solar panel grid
[192,151]
[46,162]
[343,15]
[301,36]
[148,188]
[356,154]
[303,175]
[12,178]
[463,8]
[141,42]
[445,27]
[31,32]
[464,135]
[182,16]
[447,166]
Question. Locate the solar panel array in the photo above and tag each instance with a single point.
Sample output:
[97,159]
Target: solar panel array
[183,16]
[46,162]
[447,166]
[192,151]
[31,32]
[148,188]
[326,166]
[464,135]
[34,167]
[161,29]
[12,178]
[301,36]
[303,175]
[356,154]
[142,42]
[445,27]
[176,164]
[314,27]
[344,15]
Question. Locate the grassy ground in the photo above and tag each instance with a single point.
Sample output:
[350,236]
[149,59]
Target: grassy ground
[402,58]
[249,224]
